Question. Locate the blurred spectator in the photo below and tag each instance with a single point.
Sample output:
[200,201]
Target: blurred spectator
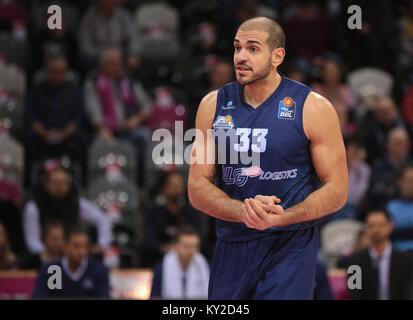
[7,259]
[158,24]
[117,106]
[375,44]
[363,242]
[53,239]
[215,73]
[297,70]
[221,74]
[81,277]
[200,10]
[163,219]
[387,273]
[332,86]
[54,116]
[406,37]
[359,172]
[358,181]
[183,272]
[310,31]
[383,183]
[376,125]
[57,199]
[401,210]
[407,106]
[10,198]
[51,42]
[11,11]
[106,25]
[166,111]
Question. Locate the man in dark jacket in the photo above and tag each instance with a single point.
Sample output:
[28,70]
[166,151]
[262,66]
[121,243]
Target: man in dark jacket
[386,273]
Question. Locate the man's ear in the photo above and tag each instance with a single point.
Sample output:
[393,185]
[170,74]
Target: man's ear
[277,56]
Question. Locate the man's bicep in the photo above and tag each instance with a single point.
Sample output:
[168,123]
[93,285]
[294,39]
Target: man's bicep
[326,142]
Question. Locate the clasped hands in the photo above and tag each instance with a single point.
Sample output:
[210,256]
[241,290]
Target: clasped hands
[262,212]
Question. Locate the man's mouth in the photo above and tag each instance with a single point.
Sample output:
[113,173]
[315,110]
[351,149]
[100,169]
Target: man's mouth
[242,68]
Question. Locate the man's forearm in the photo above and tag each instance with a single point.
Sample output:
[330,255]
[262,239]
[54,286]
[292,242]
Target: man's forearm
[326,200]
[69,129]
[39,129]
[211,200]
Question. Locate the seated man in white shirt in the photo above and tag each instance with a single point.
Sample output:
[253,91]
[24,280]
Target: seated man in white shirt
[183,272]
[57,199]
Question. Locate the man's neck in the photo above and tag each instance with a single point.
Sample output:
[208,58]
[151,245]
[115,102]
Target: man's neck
[380,247]
[259,91]
[73,266]
[184,264]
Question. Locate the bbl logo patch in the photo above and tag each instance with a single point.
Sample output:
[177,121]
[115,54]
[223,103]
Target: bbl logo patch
[286,109]
[223,122]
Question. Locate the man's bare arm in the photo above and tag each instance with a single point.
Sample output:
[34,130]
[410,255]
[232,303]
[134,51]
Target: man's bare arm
[321,125]
[202,192]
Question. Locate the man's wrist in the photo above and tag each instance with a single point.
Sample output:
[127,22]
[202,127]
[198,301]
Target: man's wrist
[286,218]
[238,205]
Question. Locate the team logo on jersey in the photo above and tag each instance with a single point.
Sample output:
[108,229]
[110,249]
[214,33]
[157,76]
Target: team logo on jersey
[223,122]
[240,176]
[229,106]
[286,109]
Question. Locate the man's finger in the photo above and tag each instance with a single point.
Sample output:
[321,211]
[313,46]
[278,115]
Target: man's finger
[246,218]
[276,200]
[267,199]
[261,213]
[275,209]
[252,214]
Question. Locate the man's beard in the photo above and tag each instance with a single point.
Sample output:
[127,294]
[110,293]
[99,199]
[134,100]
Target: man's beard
[256,76]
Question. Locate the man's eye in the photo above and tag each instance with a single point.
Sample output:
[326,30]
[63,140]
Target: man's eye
[237,48]
[254,49]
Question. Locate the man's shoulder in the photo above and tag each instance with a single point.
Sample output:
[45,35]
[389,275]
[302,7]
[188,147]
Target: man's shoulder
[298,85]
[403,257]
[211,98]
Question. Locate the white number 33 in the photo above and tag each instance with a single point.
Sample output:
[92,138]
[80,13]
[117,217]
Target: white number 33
[258,134]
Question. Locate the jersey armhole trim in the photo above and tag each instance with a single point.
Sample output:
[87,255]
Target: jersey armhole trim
[216,107]
[301,122]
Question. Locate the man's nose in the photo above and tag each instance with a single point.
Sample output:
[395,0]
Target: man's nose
[240,56]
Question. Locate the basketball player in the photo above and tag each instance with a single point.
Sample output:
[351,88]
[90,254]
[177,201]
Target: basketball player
[267,213]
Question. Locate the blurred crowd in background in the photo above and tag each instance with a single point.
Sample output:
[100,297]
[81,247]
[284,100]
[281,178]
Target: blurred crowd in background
[78,106]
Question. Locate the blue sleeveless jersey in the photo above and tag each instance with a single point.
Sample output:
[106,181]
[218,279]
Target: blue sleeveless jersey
[274,133]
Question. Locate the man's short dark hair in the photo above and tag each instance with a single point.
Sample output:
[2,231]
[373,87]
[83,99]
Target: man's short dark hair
[72,230]
[378,211]
[186,230]
[276,35]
